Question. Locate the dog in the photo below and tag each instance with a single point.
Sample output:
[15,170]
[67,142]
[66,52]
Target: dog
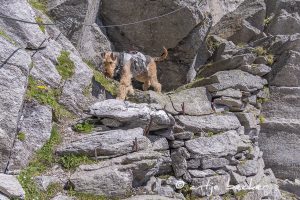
[132,65]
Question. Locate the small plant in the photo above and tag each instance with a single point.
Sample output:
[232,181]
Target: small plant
[209,134]
[87,90]
[270,59]
[40,21]
[267,21]
[71,161]
[5,36]
[260,51]
[45,95]
[261,119]
[39,4]
[65,66]
[240,195]
[84,127]
[21,136]
[212,44]
[84,196]
[110,85]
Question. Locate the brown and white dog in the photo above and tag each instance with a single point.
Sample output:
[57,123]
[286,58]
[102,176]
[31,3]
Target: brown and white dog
[132,65]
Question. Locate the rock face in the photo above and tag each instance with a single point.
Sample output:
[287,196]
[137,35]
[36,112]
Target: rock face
[35,130]
[10,187]
[13,82]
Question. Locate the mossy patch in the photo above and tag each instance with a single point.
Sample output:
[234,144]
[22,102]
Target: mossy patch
[39,4]
[5,36]
[21,136]
[65,66]
[43,160]
[240,195]
[260,51]
[85,127]
[71,161]
[261,119]
[40,21]
[268,20]
[87,90]
[45,95]
[212,44]
[110,85]
[85,196]
[270,59]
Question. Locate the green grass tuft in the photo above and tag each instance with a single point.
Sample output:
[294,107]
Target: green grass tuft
[270,59]
[46,95]
[21,136]
[39,5]
[240,195]
[71,161]
[260,51]
[110,85]
[43,160]
[65,66]
[84,127]
[41,22]
[261,119]
[84,196]
[5,36]
[210,134]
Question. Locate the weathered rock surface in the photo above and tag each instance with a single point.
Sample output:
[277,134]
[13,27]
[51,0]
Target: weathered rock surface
[214,123]
[131,114]
[259,70]
[13,82]
[216,146]
[36,127]
[109,143]
[10,187]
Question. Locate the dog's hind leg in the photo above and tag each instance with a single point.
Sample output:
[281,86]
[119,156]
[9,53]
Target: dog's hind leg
[153,77]
[146,85]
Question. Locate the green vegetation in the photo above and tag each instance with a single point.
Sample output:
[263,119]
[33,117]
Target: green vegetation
[46,95]
[270,59]
[267,21]
[261,119]
[212,44]
[84,127]
[71,161]
[87,90]
[21,136]
[84,196]
[41,22]
[43,160]
[209,134]
[262,100]
[5,36]
[240,195]
[65,66]
[260,51]
[39,4]
[110,85]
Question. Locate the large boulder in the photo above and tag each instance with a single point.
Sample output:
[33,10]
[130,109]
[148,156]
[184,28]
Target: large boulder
[279,138]
[35,130]
[13,82]
[10,187]
[243,24]
[89,38]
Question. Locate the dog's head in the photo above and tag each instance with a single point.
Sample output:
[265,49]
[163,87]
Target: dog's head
[110,62]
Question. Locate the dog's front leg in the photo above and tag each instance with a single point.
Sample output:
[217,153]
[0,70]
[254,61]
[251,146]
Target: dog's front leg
[125,82]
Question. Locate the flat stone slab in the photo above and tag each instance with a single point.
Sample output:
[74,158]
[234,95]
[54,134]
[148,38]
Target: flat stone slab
[108,143]
[215,123]
[10,186]
[228,143]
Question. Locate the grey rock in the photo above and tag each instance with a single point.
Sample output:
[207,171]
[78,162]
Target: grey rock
[202,173]
[228,93]
[62,197]
[227,64]
[248,168]
[236,179]
[159,143]
[286,71]
[228,143]
[289,186]
[134,115]
[186,135]
[111,123]
[168,134]
[36,125]
[214,123]
[193,163]
[231,103]
[176,144]
[179,163]
[108,143]
[10,186]
[89,40]
[44,181]
[284,23]
[259,70]
[13,81]
[214,163]
[214,185]
[2,197]
[149,197]
[244,23]
[196,101]
[248,120]
[261,60]
[23,34]
[235,79]
[225,50]
[282,43]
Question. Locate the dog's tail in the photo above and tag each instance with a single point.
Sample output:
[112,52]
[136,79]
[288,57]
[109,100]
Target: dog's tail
[162,57]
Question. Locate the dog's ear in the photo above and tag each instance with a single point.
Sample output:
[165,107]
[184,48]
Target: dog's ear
[103,55]
[113,57]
